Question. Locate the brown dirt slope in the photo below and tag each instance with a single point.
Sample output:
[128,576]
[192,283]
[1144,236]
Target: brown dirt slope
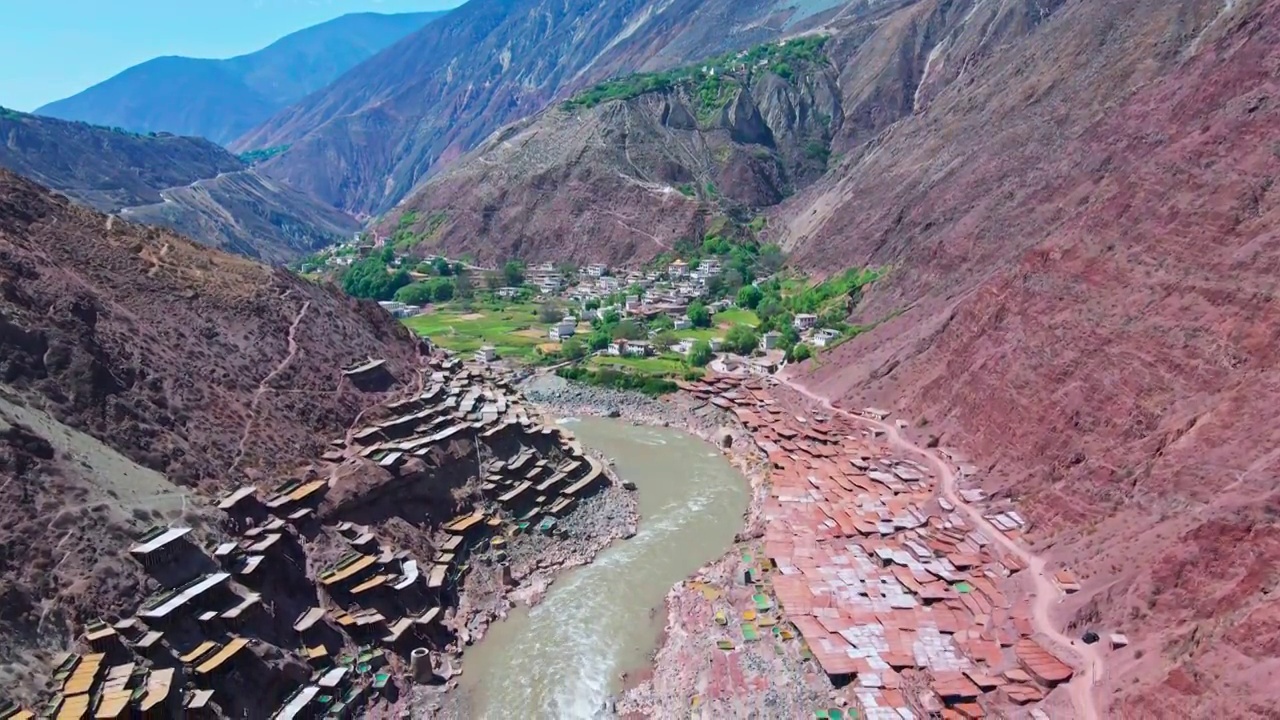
[186,184]
[622,181]
[170,352]
[365,141]
[1080,226]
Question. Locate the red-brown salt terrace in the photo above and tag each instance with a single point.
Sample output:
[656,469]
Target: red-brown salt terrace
[882,578]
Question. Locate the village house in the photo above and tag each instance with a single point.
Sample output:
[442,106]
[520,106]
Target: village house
[508,293]
[486,354]
[399,309]
[716,344]
[710,267]
[683,323]
[597,270]
[679,268]
[684,347]
[824,337]
[770,340]
[564,329]
[549,285]
[719,306]
[632,302]
[804,321]
[630,348]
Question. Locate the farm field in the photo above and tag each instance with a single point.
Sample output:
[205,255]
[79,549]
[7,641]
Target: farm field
[668,364]
[513,330]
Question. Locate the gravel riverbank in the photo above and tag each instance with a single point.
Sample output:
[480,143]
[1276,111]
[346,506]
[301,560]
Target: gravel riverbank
[688,671]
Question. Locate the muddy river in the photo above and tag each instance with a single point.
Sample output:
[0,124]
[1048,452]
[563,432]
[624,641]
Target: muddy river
[563,658]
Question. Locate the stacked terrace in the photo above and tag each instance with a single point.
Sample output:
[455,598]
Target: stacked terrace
[196,647]
[879,576]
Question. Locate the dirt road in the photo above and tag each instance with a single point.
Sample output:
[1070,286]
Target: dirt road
[1089,660]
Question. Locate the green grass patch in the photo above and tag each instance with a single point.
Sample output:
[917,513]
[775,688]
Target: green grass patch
[733,316]
[513,330]
[253,157]
[669,364]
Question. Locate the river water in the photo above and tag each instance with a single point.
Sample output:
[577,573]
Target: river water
[563,658]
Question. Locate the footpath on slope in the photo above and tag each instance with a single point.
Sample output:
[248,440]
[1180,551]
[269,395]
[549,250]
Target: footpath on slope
[1043,591]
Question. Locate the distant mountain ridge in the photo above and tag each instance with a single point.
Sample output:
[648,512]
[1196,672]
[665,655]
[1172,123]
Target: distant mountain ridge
[222,99]
[185,183]
[363,142]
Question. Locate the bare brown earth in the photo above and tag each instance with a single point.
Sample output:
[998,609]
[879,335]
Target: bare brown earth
[186,184]
[1075,203]
[131,361]
[630,177]
[156,345]
[1081,236]
[365,141]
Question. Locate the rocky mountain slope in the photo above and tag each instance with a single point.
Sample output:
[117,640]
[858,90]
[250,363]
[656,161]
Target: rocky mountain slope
[137,368]
[1075,206]
[1080,223]
[362,143]
[221,99]
[622,171]
[188,184]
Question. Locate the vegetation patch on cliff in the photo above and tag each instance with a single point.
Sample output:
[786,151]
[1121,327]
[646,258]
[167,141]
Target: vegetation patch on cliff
[711,83]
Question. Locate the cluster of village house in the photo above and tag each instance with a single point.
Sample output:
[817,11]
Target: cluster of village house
[667,293]
[663,292]
[877,574]
[192,650]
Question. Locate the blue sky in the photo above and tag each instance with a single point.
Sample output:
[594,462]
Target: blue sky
[51,49]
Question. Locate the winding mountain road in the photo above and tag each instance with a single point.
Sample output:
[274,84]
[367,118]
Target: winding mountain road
[1044,591]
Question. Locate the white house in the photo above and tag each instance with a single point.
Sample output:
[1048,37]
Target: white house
[684,347]
[679,268]
[630,348]
[486,354]
[597,269]
[564,329]
[710,267]
[825,336]
[804,321]
[770,340]
[716,344]
[507,292]
[683,323]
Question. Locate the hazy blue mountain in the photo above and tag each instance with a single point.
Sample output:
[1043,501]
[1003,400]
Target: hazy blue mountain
[222,99]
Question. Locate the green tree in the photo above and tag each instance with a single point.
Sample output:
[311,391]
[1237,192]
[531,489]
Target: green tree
[442,289]
[769,308]
[628,330]
[369,279]
[599,340]
[463,288]
[591,304]
[799,353]
[662,322]
[387,254]
[750,296]
[458,268]
[550,312]
[415,294]
[701,353]
[441,267]
[665,340]
[513,273]
[699,315]
[573,349]
[741,339]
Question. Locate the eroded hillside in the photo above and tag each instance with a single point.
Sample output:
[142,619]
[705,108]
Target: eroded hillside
[1081,225]
[186,184]
[621,172]
[364,142]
